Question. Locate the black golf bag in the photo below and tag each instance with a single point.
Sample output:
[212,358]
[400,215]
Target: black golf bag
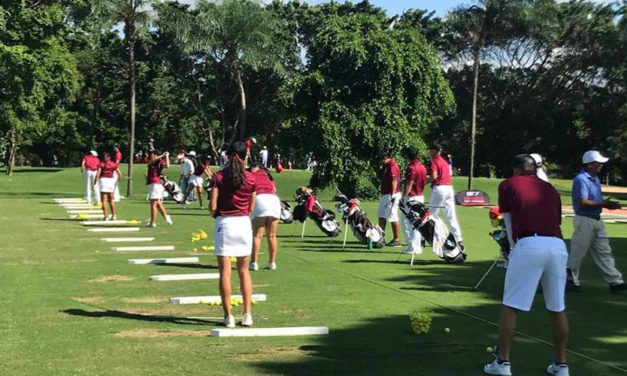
[435,232]
[172,189]
[208,188]
[500,235]
[286,212]
[308,206]
[363,229]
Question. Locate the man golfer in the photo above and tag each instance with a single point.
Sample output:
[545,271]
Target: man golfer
[442,193]
[390,188]
[532,211]
[589,233]
[89,168]
[415,180]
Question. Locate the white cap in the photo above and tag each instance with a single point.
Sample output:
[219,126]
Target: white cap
[536,158]
[93,152]
[192,153]
[593,156]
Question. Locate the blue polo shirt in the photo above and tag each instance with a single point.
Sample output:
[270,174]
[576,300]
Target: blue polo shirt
[588,187]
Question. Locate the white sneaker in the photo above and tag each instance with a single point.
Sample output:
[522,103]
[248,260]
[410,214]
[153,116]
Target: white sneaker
[229,321]
[270,266]
[559,370]
[150,224]
[253,266]
[202,208]
[247,319]
[496,368]
[168,220]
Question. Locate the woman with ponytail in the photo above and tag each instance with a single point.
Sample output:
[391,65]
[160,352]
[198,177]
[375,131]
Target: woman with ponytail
[232,200]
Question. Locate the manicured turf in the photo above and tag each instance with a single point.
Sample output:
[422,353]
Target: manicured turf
[72,306]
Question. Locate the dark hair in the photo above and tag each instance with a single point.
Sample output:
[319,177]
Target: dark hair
[411,153]
[102,155]
[153,151]
[381,154]
[235,167]
[435,146]
[262,168]
[524,162]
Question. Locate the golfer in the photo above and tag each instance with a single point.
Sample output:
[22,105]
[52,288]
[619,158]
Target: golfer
[265,216]
[156,164]
[415,180]
[107,178]
[196,180]
[390,188]
[118,159]
[589,233]
[532,211]
[89,167]
[232,199]
[442,193]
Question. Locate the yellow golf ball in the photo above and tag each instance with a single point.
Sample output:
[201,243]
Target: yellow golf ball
[488,349]
[447,330]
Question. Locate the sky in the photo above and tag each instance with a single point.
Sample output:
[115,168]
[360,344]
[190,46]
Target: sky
[398,6]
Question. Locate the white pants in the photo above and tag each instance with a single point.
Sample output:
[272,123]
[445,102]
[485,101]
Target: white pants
[443,197]
[590,235]
[116,191]
[412,235]
[536,259]
[388,210]
[89,176]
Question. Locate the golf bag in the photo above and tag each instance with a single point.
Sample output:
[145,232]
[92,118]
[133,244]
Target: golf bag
[172,189]
[308,206]
[208,188]
[363,229]
[435,232]
[500,235]
[286,212]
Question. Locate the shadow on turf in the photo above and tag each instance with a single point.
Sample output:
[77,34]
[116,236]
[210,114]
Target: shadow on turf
[59,219]
[191,266]
[135,316]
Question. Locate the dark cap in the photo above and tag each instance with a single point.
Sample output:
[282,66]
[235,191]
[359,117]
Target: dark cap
[410,153]
[435,146]
[381,154]
[524,162]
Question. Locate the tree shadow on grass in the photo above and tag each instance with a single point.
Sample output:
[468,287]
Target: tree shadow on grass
[36,170]
[59,219]
[403,260]
[136,316]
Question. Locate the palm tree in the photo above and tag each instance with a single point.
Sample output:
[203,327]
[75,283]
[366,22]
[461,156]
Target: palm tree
[235,33]
[476,28]
[134,15]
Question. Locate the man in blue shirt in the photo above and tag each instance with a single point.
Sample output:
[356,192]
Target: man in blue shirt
[589,232]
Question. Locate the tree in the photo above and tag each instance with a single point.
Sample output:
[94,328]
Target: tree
[134,15]
[37,72]
[236,33]
[473,29]
[367,87]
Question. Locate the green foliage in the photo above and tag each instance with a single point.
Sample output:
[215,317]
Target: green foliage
[367,88]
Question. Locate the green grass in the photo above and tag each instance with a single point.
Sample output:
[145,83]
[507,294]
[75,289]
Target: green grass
[54,321]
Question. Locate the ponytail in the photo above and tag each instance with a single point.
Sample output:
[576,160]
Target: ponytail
[235,166]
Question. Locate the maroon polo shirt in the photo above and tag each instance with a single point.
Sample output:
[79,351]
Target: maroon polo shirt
[263,183]
[534,205]
[233,201]
[440,165]
[416,173]
[391,172]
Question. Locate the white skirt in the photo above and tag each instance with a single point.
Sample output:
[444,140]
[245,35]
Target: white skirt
[155,191]
[106,185]
[195,181]
[233,236]
[267,205]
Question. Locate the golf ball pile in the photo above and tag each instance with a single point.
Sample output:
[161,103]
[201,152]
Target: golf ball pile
[420,322]
[199,235]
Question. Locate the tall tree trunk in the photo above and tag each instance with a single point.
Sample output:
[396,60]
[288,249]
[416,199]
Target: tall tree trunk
[473,119]
[11,152]
[242,109]
[130,45]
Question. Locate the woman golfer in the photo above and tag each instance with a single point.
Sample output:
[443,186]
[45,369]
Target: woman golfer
[156,164]
[107,181]
[195,180]
[232,199]
[266,215]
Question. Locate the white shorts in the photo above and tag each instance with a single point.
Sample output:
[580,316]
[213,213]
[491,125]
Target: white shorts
[536,259]
[106,185]
[233,236]
[195,181]
[155,191]
[387,210]
[267,205]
